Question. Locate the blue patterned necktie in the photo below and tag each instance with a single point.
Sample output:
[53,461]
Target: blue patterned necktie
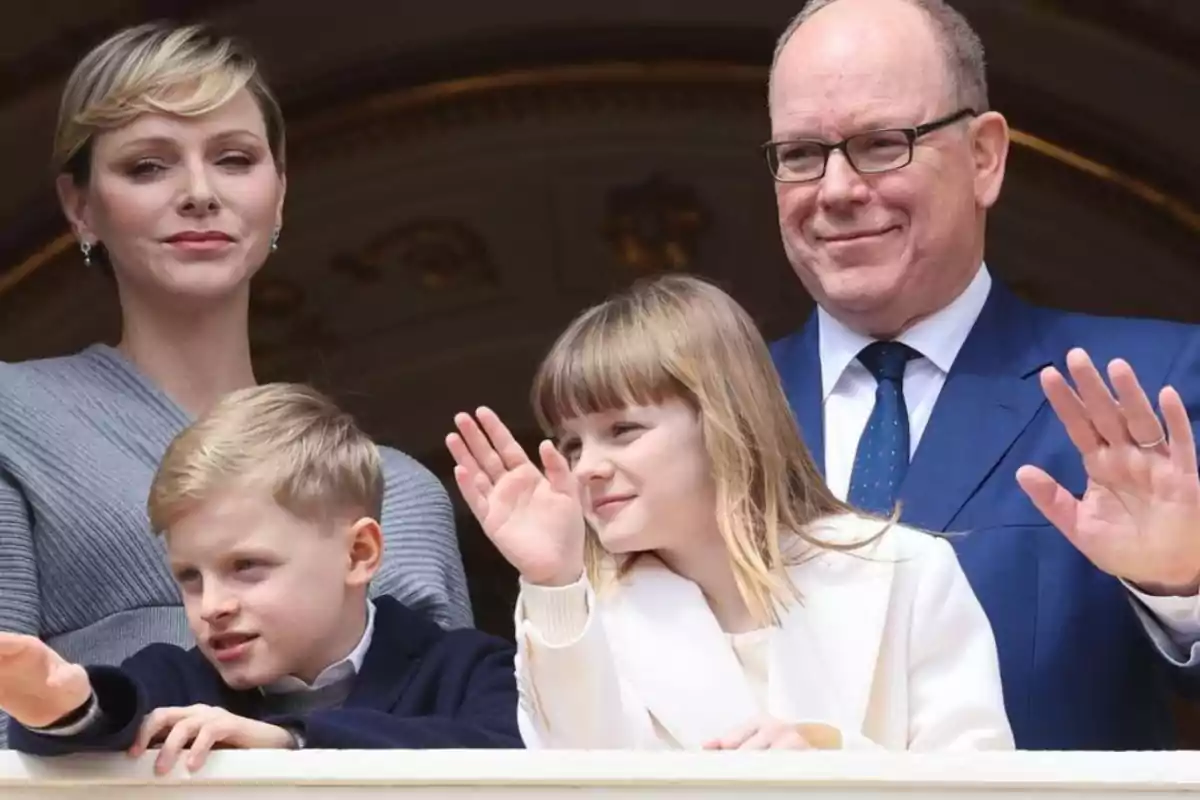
[881,460]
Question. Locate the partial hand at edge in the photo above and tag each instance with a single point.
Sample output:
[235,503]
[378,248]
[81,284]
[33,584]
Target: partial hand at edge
[37,686]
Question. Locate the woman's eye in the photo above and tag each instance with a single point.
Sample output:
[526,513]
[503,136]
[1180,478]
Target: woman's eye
[144,169]
[237,160]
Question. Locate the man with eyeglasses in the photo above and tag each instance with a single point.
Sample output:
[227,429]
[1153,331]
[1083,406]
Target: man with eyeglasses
[921,381]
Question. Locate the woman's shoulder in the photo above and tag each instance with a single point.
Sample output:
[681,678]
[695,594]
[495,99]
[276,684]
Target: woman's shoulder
[89,397]
[406,477]
[35,385]
[38,376]
[402,466]
[15,373]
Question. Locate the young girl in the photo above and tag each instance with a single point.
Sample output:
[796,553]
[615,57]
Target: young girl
[688,580]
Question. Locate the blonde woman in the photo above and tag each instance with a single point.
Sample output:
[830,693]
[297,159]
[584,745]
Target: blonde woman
[687,579]
[170,150]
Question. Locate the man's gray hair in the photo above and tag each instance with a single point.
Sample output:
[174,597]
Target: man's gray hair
[962,50]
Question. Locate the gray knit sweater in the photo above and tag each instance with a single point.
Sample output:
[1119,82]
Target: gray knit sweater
[80,440]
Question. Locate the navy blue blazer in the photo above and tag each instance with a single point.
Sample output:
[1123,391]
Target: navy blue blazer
[420,687]
[1078,669]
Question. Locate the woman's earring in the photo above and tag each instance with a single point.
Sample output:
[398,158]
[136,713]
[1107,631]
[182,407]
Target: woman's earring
[275,240]
[86,249]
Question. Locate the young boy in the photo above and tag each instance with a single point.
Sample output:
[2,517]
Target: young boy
[268,506]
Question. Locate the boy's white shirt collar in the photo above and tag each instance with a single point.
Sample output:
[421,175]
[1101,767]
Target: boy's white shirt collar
[347,667]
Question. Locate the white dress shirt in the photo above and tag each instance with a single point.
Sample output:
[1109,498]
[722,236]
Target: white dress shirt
[848,389]
[848,396]
[345,668]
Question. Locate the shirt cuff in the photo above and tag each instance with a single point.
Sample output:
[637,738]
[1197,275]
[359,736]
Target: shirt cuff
[1173,624]
[559,614]
[76,722]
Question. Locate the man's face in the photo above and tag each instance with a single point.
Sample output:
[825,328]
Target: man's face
[879,251]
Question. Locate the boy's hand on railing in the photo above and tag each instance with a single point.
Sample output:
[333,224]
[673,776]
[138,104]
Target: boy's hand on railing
[37,686]
[203,727]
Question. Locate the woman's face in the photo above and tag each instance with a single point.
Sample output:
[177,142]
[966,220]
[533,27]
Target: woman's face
[186,207]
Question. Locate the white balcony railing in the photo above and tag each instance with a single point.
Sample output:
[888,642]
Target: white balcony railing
[333,775]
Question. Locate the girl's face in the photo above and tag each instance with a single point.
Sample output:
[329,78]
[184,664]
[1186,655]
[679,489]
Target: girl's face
[645,476]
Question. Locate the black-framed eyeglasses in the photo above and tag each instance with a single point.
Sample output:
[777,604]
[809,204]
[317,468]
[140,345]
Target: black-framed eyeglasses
[869,152]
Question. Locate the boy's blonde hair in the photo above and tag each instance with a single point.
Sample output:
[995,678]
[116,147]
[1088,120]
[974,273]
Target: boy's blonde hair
[682,337]
[288,439]
[184,70]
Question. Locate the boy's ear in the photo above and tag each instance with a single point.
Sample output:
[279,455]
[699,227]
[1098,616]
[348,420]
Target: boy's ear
[366,551]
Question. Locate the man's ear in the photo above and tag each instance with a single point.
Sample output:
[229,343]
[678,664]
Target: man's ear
[989,150]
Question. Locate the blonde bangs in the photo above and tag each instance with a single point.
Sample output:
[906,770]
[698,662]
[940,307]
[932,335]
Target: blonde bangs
[186,71]
[610,358]
[178,93]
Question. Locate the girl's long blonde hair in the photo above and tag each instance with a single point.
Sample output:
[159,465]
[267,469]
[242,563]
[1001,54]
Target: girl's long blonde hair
[682,337]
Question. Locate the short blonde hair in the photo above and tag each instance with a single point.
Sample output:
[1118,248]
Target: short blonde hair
[682,337]
[185,70]
[288,439]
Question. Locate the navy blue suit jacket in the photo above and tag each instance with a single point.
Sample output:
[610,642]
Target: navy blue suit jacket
[1079,671]
[419,687]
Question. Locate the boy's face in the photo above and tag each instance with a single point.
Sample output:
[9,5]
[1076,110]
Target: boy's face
[268,594]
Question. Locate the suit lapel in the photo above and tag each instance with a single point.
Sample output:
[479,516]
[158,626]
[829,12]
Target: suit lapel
[825,656]
[798,361]
[989,398]
[677,657]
